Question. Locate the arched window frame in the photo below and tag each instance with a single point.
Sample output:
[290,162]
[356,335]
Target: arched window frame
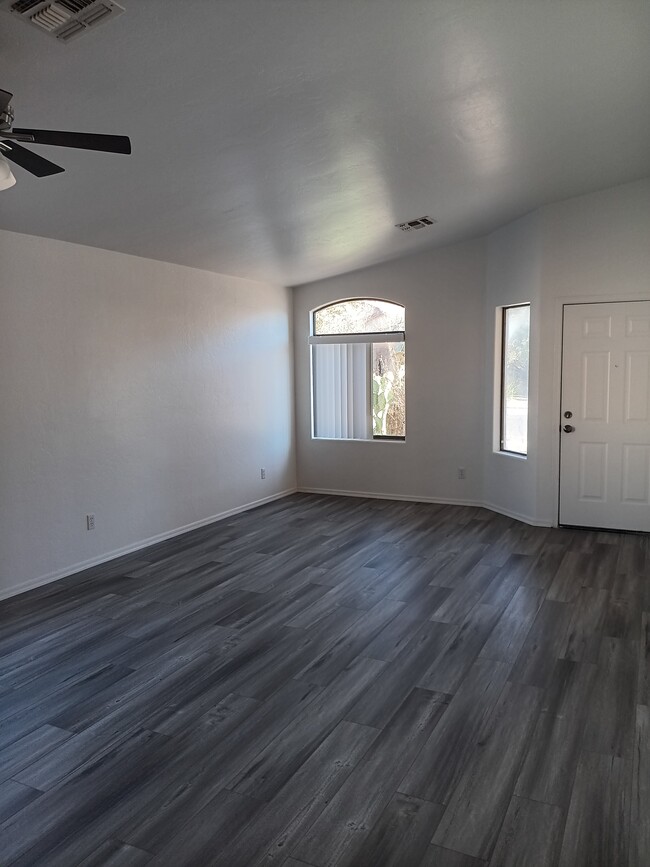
[352,416]
[370,336]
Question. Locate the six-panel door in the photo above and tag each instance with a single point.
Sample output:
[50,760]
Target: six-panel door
[605,460]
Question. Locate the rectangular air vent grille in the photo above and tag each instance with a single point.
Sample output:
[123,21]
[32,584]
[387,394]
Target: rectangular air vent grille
[24,5]
[50,17]
[74,29]
[64,19]
[412,225]
[75,6]
[95,15]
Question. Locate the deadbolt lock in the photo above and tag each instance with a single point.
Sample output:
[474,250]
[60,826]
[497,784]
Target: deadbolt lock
[568,414]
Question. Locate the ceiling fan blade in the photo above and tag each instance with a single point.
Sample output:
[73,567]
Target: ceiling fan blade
[114,144]
[32,162]
[5,99]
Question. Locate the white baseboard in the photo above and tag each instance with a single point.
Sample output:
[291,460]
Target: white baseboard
[445,501]
[518,516]
[376,495]
[50,577]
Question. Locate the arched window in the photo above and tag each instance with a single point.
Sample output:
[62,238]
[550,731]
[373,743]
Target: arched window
[358,370]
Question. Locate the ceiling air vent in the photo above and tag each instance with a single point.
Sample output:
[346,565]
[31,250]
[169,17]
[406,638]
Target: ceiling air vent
[75,5]
[412,225]
[64,19]
[24,5]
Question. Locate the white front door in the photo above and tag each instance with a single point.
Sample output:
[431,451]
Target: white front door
[605,416]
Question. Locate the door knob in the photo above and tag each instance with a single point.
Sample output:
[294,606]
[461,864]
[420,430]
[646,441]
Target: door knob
[568,428]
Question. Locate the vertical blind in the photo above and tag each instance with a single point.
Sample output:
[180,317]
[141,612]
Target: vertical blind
[341,398]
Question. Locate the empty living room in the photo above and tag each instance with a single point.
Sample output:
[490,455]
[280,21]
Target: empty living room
[324,433]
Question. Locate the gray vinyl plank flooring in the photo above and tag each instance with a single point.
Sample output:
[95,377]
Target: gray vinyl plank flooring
[569,688]
[400,630]
[449,669]
[207,760]
[113,853]
[477,807]
[506,639]
[28,750]
[610,724]
[549,769]
[640,804]
[351,643]
[544,644]
[401,834]
[571,576]
[444,757]
[597,824]
[466,594]
[48,708]
[530,835]
[277,762]
[300,802]
[13,797]
[334,682]
[587,625]
[437,856]
[384,696]
[63,813]
[643,691]
[341,830]
[203,838]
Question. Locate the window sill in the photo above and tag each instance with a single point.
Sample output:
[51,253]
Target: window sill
[514,455]
[399,442]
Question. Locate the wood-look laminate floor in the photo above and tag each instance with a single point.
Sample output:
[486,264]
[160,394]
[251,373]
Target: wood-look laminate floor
[329,681]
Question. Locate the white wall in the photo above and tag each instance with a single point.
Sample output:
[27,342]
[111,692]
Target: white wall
[150,394]
[594,248]
[442,293]
[512,276]
[589,248]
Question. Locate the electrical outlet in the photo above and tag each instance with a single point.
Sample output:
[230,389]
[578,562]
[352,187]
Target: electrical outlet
[262,473]
[90,522]
[461,473]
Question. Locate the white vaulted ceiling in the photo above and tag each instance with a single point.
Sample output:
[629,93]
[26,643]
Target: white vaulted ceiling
[283,139]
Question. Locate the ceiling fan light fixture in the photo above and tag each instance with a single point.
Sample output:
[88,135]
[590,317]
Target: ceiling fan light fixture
[6,177]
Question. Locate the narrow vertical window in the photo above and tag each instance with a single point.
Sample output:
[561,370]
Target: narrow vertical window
[515,332]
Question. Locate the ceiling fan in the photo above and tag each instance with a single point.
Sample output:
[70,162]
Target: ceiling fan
[36,164]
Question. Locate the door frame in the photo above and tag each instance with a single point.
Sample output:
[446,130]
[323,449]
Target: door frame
[560,304]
